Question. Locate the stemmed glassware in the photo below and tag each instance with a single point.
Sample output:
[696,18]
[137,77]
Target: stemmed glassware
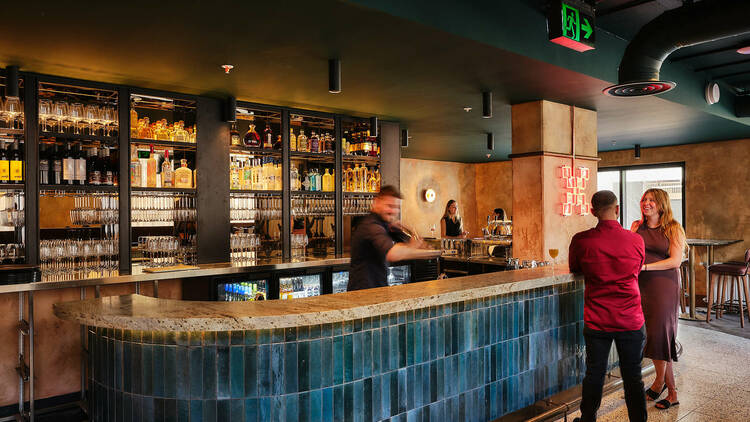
[248,207]
[11,111]
[163,207]
[78,118]
[68,259]
[312,205]
[357,205]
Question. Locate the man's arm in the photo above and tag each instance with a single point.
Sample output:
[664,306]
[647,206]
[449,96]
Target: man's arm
[404,251]
[574,263]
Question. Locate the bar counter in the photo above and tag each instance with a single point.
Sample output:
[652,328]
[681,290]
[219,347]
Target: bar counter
[470,348]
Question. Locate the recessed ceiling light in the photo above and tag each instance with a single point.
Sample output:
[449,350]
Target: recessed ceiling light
[744,50]
[227,67]
[467,109]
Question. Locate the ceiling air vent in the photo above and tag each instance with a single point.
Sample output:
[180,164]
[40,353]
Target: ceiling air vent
[639,89]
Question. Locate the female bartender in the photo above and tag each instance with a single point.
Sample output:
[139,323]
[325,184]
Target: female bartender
[451,224]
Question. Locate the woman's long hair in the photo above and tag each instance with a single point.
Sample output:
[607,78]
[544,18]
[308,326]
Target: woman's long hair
[669,226]
[457,216]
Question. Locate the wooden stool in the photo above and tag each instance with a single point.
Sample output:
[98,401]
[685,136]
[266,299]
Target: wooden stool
[729,276]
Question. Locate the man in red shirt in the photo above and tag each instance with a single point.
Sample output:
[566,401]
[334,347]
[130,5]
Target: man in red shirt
[610,259]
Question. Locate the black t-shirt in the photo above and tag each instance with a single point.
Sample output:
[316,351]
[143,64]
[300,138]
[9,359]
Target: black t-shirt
[452,228]
[370,244]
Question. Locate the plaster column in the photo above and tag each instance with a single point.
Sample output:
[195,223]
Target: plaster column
[547,137]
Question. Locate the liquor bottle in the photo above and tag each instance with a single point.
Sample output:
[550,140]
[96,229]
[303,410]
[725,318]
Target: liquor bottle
[247,175]
[277,180]
[4,165]
[327,181]
[292,140]
[162,133]
[180,134]
[302,142]
[109,175]
[16,165]
[252,139]
[144,129]
[94,168]
[43,165]
[80,169]
[267,137]
[183,176]
[167,174]
[363,178]
[133,123]
[234,175]
[277,143]
[345,142]
[294,178]
[69,166]
[306,183]
[372,182]
[135,170]
[234,135]
[314,142]
[348,179]
[377,179]
[56,170]
[151,169]
[192,135]
[330,144]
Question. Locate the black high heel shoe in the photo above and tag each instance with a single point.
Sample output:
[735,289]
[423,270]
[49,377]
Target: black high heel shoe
[653,395]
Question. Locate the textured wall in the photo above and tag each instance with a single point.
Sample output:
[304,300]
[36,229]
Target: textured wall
[450,181]
[717,203]
[474,361]
[494,189]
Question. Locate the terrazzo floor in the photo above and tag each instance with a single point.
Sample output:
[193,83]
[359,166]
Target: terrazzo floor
[713,381]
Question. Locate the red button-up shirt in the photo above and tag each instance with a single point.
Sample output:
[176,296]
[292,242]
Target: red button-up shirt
[610,259]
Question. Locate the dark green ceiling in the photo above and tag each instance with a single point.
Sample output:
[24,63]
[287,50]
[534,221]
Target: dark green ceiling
[420,73]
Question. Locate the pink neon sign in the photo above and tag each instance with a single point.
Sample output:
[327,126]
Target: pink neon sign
[574,190]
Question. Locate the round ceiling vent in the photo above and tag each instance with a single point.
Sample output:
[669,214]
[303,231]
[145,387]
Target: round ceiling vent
[639,89]
[713,93]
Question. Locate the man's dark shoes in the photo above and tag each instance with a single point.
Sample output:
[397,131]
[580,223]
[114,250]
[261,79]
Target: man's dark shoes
[653,395]
[666,404]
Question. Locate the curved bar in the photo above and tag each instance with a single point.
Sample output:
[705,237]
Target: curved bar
[136,312]
[471,348]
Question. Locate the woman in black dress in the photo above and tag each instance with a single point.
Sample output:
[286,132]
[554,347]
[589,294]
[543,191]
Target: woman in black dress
[659,283]
[451,224]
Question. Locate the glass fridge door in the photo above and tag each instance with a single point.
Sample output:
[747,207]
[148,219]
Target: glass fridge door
[340,280]
[299,286]
[241,291]
[399,275]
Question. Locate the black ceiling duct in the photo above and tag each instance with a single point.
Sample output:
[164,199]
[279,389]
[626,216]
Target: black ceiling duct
[689,25]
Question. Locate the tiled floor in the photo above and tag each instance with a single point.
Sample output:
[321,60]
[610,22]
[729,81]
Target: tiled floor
[713,381]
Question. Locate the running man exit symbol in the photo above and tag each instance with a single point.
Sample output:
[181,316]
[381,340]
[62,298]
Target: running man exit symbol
[571,24]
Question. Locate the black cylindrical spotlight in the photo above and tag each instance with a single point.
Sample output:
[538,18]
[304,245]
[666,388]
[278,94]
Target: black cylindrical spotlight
[334,76]
[487,104]
[637,151]
[491,141]
[11,81]
[230,114]
[373,126]
[404,138]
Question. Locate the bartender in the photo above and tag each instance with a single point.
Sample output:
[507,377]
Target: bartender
[451,224]
[373,244]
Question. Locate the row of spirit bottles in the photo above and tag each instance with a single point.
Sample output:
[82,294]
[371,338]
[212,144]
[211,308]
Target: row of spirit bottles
[321,144]
[360,143]
[255,173]
[313,180]
[151,169]
[253,139]
[160,130]
[361,179]
[242,292]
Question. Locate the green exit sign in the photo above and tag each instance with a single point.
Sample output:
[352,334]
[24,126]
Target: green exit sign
[571,24]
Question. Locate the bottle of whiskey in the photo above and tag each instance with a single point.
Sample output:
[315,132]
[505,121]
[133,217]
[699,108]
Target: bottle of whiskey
[234,135]
[292,140]
[252,139]
[183,176]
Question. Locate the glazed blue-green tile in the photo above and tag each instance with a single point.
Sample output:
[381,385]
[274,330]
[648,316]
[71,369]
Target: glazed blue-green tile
[440,379]
[366,354]
[348,327]
[251,337]
[315,364]
[118,364]
[278,357]
[402,387]
[338,403]
[127,407]
[290,334]
[375,322]
[264,336]
[170,410]
[251,410]
[327,404]
[278,405]
[196,373]
[433,338]
[376,359]
[349,402]
[358,393]
[393,349]
[326,362]
[303,412]
[303,366]
[136,369]
[210,411]
[236,410]
[439,332]
[314,332]
[238,337]
[337,329]
[357,325]
[251,371]
[393,319]
[291,410]
[448,336]
[326,330]
[237,371]
[433,384]
[183,338]
[418,342]
[148,407]
[264,371]
[316,406]
[110,382]
[159,371]
[401,345]
[265,411]
[277,335]
[409,343]
[385,396]
[426,334]
[367,400]
[210,375]
[158,409]
[410,383]
[223,388]
[181,373]
[356,355]
[348,358]
[338,360]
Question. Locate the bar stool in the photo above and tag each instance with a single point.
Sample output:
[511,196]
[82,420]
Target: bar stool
[684,285]
[737,275]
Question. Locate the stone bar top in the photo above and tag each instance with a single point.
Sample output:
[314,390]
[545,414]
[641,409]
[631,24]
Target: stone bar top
[136,312]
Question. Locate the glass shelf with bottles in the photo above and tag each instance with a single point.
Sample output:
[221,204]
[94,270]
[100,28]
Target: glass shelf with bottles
[154,167]
[312,137]
[79,234]
[162,119]
[360,179]
[12,222]
[256,227]
[12,145]
[357,143]
[72,165]
[249,172]
[256,131]
[78,112]
[313,224]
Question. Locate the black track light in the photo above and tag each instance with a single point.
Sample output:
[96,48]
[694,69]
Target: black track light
[487,104]
[11,82]
[404,138]
[334,76]
[230,114]
[491,141]
[637,151]
[374,126]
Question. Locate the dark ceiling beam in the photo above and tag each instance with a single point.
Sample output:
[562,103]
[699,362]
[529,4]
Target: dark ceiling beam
[731,75]
[705,53]
[718,66]
[620,8]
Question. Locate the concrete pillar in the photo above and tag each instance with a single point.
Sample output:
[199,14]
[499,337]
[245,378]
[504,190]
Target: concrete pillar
[554,176]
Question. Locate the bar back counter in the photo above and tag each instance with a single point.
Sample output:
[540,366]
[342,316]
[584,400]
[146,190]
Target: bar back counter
[469,348]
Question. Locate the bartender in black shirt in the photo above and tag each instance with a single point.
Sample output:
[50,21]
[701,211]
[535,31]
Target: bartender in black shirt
[373,244]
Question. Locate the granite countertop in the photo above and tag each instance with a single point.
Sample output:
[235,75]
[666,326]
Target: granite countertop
[146,313]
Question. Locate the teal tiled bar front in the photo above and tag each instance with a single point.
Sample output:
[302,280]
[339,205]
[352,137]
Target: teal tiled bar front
[474,359]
